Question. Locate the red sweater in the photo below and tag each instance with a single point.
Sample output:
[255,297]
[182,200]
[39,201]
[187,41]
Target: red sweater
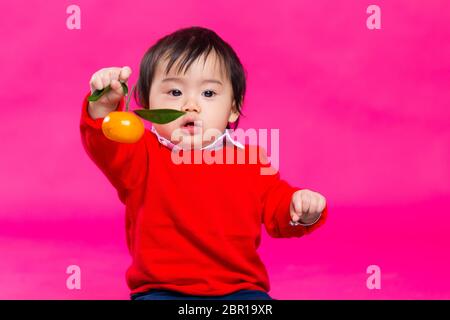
[192,228]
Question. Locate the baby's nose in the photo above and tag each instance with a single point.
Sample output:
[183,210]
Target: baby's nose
[193,107]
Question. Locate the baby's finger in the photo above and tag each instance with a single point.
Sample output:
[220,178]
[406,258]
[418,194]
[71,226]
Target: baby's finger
[306,203]
[124,73]
[116,86]
[95,84]
[313,205]
[114,73]
[322,204]
[106,80]
[295,217]
[298,206]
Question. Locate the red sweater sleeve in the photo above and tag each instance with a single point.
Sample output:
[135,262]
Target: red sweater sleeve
[124,164]
[276,195]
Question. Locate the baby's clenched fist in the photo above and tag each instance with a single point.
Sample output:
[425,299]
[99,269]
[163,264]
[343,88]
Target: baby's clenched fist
[306,206]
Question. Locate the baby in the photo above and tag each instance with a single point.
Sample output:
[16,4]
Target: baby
[193,230]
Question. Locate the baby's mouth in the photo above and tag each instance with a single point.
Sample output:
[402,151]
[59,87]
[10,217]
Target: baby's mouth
[191,126]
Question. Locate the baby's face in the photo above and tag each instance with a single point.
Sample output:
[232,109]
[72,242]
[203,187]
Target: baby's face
[204,93]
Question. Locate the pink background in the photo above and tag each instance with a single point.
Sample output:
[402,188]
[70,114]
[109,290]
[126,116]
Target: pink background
[363,117]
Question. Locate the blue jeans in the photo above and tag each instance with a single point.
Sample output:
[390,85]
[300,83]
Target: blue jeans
[159,294]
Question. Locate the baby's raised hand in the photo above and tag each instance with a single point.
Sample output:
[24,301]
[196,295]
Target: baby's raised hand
[109,77]
[306,206]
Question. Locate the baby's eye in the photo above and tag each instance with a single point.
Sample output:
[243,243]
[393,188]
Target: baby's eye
[176,92]
[209,93]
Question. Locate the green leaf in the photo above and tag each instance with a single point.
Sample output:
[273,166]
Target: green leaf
[160,116]
[124,88]
[98,93]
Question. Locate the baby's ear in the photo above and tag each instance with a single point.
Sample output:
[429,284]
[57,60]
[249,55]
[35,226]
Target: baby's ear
[234,115]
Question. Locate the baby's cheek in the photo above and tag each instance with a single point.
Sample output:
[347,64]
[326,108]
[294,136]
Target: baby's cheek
[165,130]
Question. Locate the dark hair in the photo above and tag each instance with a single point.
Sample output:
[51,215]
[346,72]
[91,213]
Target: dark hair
[190,44]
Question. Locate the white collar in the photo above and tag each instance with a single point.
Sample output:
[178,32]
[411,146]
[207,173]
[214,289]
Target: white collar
[217,144]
